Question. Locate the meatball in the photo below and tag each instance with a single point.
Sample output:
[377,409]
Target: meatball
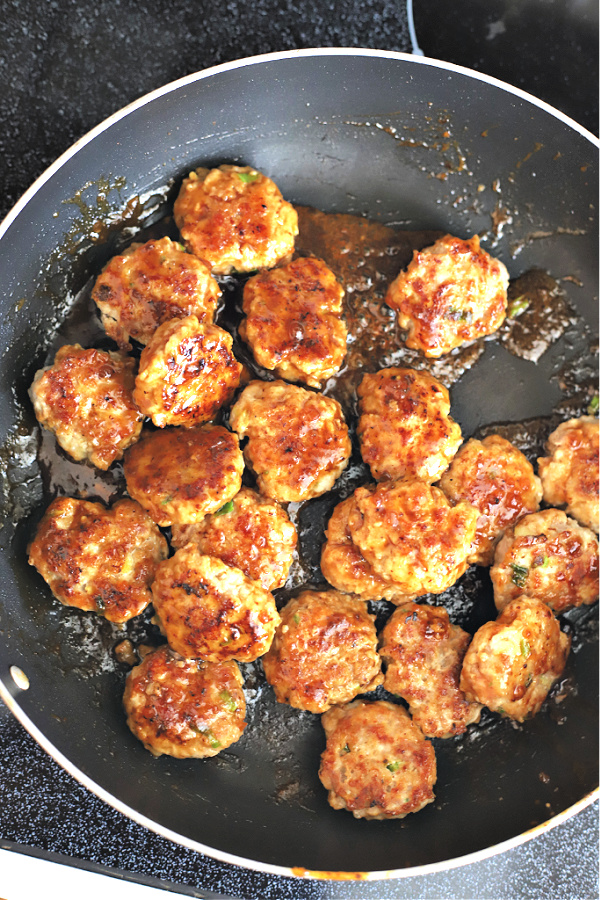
[251,533]
[512,663]
[411,535]
[298,441]
[451,293]
[344,566]
[98,559]
[236,219]
[180,475]
[324,651]
[184,707]
[150,283]
[210,610]
[85,398]
[377,763]
[293,321]
[570,473]
[404,425]
[500,483]
[187,372]
[550,557]
[424,653]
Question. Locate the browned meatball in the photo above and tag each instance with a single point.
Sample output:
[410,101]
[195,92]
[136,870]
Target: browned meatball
[85,398]
[424,654]
[550,557]
[411,535]
[298,441]
[293,321]
[404,426]
[98,559]
[451,293]
[377,763]
[512,663]
[344,566]
[235,218]
[184,707]
[251,533]
[150,283]
[187,372]
[324,651]
[180,475]
[500,483]
[570,473]
[210,610]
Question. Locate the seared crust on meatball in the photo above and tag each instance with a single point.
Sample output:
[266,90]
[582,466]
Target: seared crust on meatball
[411,535]
[187,372]
[324,651]
[293,321]
[512,663]
[184,707]
[424,653]
[210,610]
[180,475]
[236,219]
[98,559]
[344,566]
[570,473]
[451,293]
[404,426]
[500,483]
[298,442]
[550,557]
[85,398]
[150,283]
[250,532]
[377,763]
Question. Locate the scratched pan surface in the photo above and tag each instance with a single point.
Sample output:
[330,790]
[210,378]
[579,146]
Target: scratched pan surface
[409,142]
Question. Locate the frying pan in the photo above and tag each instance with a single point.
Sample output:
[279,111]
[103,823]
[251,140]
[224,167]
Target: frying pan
[409,142]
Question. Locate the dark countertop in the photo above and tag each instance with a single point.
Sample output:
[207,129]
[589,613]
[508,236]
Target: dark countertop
[64,67]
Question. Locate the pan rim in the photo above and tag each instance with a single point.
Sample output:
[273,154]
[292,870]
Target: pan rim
[7,694]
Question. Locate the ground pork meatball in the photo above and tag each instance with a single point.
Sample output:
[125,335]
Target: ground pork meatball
[236,219]
[570,473]
[293,321]
[298,440]
[548,556]
[512,663]
[324,651]
[377,763]
[187,372]
[344,566]
[251,533]
[210,610]
[424,653]
[404,425]
[85,398]
[184,707]
[500,483]
[180,475]
[451,293]
[98,559]
[411,535]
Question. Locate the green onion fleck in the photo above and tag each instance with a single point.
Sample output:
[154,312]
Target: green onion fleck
[519,575]
[226,508]
[517,306]
[228,701]
[345,749]
[248,177]
[593,406]
[393,766]
[525,648]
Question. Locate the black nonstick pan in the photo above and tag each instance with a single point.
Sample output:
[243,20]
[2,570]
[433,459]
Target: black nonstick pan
[408,142]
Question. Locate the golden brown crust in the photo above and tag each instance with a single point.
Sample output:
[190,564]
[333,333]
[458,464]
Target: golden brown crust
[377,764]
[150,283]
[98,559]
[324,651]
[570,473]
[85,398]
[451,293]
[184,707]
[180,475]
